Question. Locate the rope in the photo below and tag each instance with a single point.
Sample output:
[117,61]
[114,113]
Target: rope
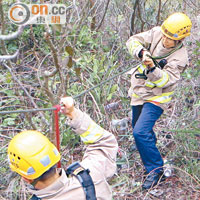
[92,88]
[76,96]
[168,54]
[56,108]
[26,111]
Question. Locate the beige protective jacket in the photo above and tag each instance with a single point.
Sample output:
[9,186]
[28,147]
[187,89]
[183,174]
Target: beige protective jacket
[160,85]
[99,158]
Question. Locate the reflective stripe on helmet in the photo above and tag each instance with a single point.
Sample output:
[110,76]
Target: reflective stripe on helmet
[168,32]
[177,26]
[93,133]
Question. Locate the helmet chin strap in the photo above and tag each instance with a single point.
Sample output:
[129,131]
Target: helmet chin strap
[35,181]
[31,182]
[178,42]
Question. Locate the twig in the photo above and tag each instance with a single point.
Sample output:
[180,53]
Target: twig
[142,21]
[99,112]
[4,136]
[26,92]
[38,75]
[14,35]
[83,21]
[159,9]
[195,180]
[56,62]
[48,92]
[104,14]
[93,21]
[9,57]
[132,21]
[4,50]
[53,50]
[174,108]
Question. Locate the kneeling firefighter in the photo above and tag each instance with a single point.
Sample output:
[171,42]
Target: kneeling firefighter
[34,157]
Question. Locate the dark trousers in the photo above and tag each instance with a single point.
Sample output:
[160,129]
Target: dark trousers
[143,121]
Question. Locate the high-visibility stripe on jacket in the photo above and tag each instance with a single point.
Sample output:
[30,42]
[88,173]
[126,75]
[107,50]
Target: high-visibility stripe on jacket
[93,133]
[164,98]
[150,84]
[133,46]
[141,68]
[162,82]
[159,83]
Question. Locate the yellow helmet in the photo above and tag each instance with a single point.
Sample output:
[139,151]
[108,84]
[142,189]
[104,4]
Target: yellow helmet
[30,154]
[176,26]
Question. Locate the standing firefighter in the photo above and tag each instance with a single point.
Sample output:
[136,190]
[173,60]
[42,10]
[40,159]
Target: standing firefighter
[34,157]
[164,58]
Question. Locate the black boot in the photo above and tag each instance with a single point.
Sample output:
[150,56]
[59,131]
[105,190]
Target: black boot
[152,179]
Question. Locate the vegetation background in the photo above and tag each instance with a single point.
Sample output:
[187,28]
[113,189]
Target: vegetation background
[58,60]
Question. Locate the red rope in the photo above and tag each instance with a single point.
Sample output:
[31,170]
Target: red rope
[56,122]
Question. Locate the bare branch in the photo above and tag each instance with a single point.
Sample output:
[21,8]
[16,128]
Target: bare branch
[9,57]
[56,62]
[50,74]
[26,92]
[14,35]
[106,8]
[4,136]
[2,29]
[132,22]
[2,18]
[140,17]
[159,10]
[48,92]
[54,52]
[93,22]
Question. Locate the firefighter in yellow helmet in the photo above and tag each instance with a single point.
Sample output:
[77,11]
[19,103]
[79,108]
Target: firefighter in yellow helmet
[34,157]
[163,58]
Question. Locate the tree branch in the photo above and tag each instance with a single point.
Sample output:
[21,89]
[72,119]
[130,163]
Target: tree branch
[9,57]
[132,22]
[26,92]
[56,62]
[48,92]
[14,35]
[104,14]
[159,9]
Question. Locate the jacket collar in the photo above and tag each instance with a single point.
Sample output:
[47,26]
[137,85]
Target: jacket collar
[53,189]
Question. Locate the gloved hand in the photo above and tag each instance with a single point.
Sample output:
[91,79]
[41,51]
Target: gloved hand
[147,60]
[67,107]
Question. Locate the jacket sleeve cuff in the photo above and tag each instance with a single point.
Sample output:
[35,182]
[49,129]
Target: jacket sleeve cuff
[155,75]
[134,47]
[80,122]
[158,77]
[140,55]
